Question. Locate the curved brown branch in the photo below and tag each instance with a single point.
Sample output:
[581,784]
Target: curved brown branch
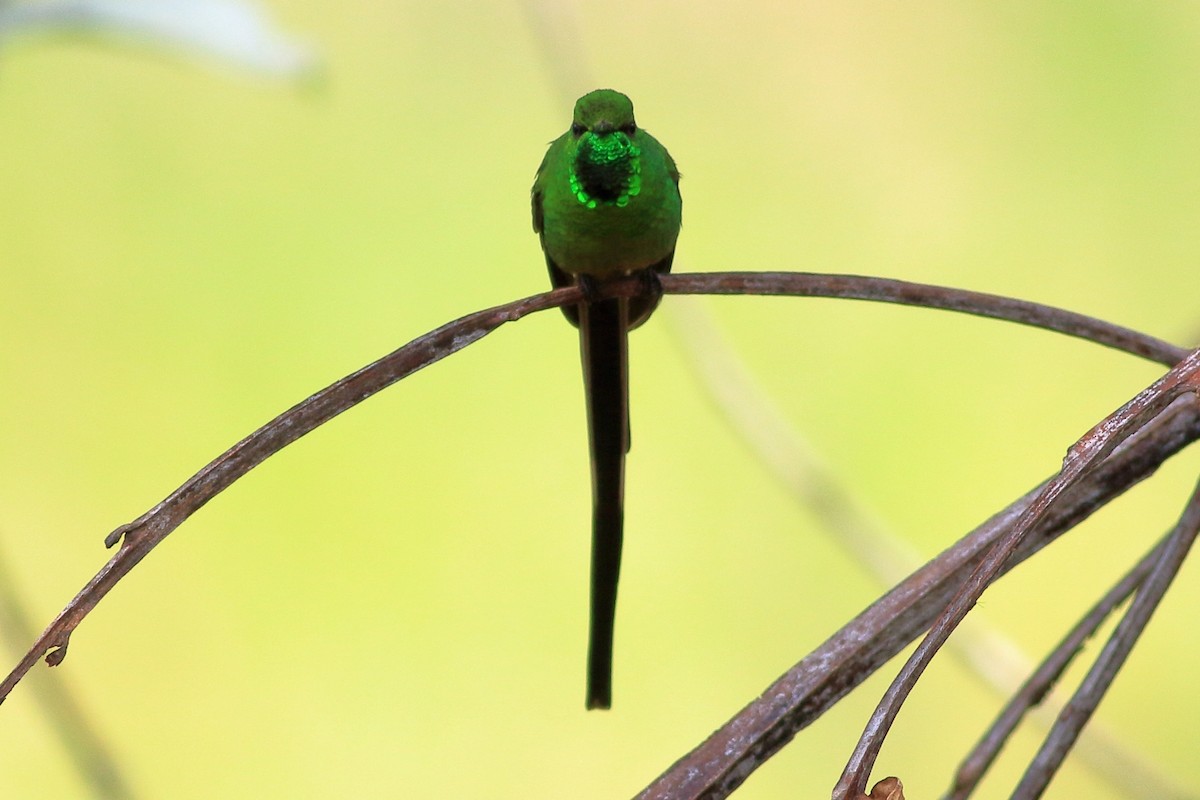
[885,290]
[139,537]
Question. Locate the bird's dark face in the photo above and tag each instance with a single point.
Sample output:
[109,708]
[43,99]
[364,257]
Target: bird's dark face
[605,168]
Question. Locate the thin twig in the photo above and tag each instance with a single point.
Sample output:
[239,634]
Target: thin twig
[717,766]
[1083,457]
[1034,690]
[1116,650]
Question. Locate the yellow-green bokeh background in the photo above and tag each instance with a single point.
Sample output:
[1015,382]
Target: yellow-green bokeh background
[396,605]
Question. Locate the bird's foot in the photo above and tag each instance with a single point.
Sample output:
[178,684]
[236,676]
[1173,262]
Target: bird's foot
[651,291]
[589,287]
[642,304]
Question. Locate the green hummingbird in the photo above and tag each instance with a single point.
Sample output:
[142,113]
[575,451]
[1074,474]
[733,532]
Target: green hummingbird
[606,205]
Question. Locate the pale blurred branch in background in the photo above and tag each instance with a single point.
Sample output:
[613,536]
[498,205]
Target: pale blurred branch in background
[558,32]
[237,33]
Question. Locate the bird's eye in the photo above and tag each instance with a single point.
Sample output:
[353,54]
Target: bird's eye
[629,128]
[578,129]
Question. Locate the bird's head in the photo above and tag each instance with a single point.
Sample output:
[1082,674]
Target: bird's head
[605,165]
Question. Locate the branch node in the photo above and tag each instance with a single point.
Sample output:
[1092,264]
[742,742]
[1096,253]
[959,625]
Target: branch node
[116,535]
[58,651]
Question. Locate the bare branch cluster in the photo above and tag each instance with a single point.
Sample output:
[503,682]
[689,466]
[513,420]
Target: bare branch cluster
[1120,451]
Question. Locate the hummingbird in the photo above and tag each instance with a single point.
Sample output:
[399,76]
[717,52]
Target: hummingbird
[606,205]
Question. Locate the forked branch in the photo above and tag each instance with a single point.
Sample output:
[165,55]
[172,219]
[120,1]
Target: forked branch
[1084,457]
[1035,688]
[1087,697]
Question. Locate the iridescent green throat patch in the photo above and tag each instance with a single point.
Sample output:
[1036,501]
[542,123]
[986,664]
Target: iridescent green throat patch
[607,170]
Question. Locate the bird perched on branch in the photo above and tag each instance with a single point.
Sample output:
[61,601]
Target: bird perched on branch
[606,205]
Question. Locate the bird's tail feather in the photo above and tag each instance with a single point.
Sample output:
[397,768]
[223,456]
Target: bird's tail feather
[603,335]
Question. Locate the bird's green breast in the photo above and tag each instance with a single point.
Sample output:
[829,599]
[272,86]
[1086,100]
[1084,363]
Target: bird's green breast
[610,204]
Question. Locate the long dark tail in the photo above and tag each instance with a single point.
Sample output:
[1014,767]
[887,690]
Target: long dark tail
[603,336]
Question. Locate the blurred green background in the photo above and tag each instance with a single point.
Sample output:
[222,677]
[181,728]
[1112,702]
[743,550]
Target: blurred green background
[395,606]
